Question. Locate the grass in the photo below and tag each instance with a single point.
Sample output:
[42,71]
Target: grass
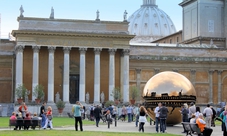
[73,133]
[57,122]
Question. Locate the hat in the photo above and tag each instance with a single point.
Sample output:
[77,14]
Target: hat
[192,103]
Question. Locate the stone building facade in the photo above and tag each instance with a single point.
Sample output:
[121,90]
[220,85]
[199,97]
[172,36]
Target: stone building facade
[72,57]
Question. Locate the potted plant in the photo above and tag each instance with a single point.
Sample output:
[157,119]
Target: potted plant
[38,93]
[60,105]
[134,93]
[20,92]
[116,93]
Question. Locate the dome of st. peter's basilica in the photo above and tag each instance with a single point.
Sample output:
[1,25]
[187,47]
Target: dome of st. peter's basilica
[149,23]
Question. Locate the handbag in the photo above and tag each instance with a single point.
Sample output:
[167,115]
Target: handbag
[49,117]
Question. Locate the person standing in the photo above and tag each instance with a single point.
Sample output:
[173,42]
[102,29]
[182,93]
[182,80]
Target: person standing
[208,114]
[213,116]
[191,110]
[163,111]
[129,112]
[97,114]
[42,114]
[48,118]
[157,118]
[224,119]
[137,114]
[77,114]
[142,118]
[184,113]
[23,109]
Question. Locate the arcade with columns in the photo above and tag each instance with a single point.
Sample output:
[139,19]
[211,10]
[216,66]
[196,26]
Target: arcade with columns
[93,58]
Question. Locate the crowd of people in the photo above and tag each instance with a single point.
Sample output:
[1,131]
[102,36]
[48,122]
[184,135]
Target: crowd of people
[192,113]
[204,119]
[23,114]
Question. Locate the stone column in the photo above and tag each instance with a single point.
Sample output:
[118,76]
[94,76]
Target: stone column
[219,86]
[97,75]
[138,78]
[19,65]
[225,21]
[193,74]
[51,50]
[211,86]
[111,72]
[66,74]
[126,76]
[82,74]
[35,72]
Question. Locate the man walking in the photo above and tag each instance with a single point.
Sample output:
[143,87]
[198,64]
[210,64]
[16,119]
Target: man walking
[208,114]
[97,114]
[42,114]
[77,114]
[163,111]
[157,119]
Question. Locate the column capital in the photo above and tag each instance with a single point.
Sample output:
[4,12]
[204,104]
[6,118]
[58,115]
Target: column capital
[157,70]
[193,71]
[36,48]
[211,71]
[220,72]
[97,50]
[82,50]
[19,48]
[126,51]
[138,70]
[175,70]
[112,51]
[66,49]
[51,49]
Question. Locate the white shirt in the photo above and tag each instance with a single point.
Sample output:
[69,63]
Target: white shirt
[156,111]
[208,112]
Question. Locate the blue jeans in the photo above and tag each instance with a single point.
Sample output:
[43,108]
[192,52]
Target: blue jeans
[163,124]
[129,117]
[137,119]
[157,122]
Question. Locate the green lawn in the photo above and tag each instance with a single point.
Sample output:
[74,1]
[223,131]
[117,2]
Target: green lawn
[57,122]
[74,133]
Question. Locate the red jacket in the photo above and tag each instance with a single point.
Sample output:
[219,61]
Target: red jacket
[25,108]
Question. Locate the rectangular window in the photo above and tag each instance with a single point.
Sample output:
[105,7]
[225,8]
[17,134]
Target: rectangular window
[177,39]
[170,41]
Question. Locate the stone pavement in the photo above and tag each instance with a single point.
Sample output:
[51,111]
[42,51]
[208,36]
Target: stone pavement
[130,127]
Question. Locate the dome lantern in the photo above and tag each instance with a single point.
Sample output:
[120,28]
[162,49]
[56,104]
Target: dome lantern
[149,2]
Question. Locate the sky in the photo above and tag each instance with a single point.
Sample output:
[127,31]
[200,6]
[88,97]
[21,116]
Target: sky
[110,10]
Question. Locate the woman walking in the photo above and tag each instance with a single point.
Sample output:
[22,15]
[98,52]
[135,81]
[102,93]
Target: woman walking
[142,118]
[49,118]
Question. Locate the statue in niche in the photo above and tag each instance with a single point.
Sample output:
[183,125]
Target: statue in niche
[102,96]
[21,11]
[125,15]
[87,97]
[27,92]
[57,97]
[52,13]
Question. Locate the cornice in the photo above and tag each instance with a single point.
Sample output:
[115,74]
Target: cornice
[186,2]
[15,33]
[71,20]
[203,39]
[178,58]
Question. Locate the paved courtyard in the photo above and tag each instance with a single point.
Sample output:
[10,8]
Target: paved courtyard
[130,127]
